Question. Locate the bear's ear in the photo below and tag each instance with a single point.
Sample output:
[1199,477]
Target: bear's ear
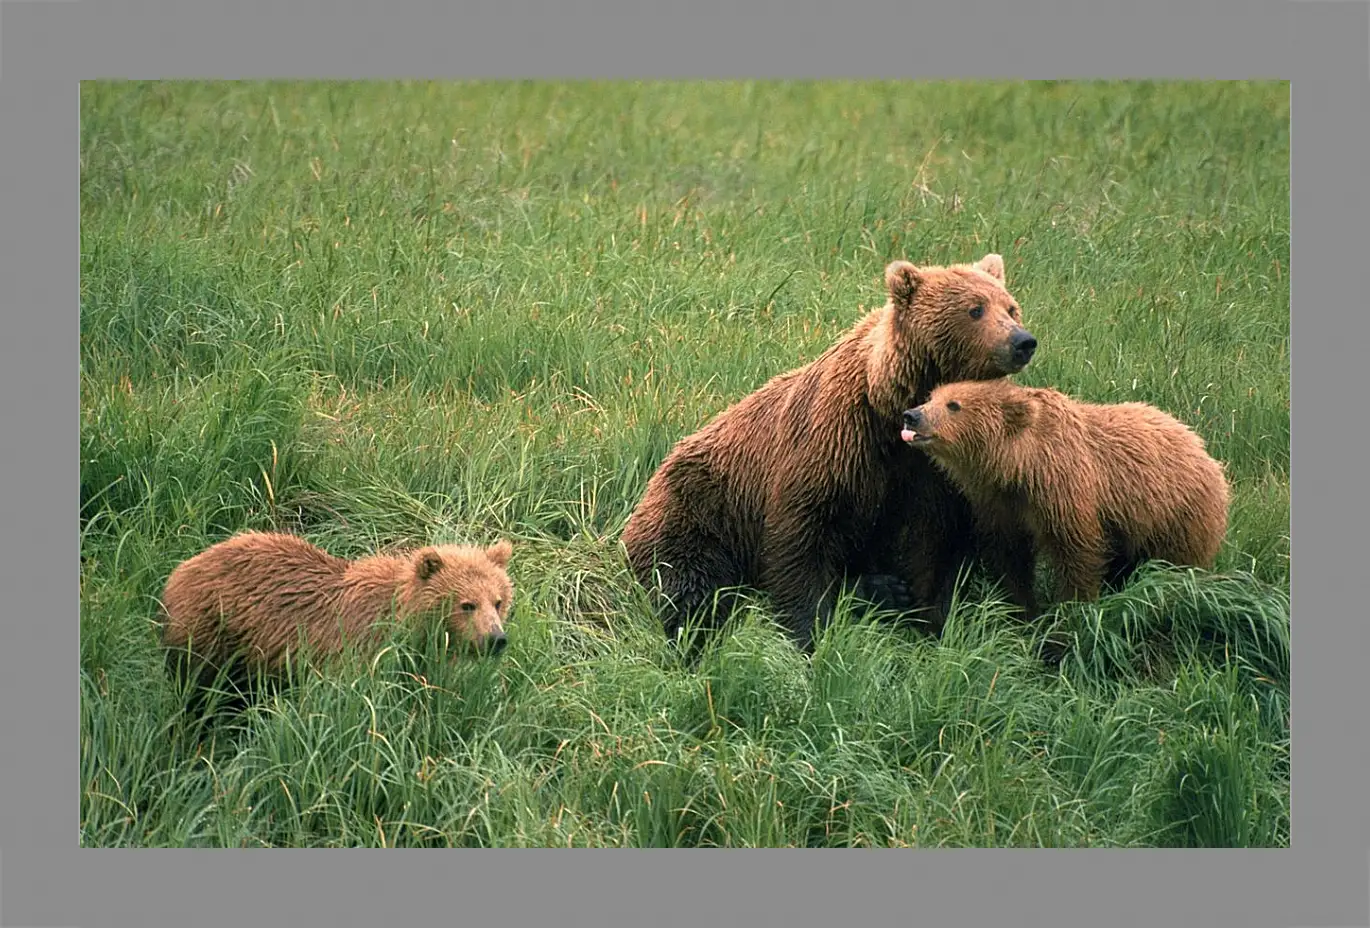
[427,562]
[499,552]
[993,265]
[902,280]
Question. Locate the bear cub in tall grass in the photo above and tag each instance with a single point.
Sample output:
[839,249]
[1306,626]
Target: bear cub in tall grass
[246,603]
[1097,489]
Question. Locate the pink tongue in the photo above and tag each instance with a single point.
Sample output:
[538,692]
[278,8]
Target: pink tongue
[908,434]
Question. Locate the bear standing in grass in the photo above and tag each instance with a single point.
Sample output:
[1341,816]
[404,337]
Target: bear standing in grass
[1098,489]
[805,483]
[255,595]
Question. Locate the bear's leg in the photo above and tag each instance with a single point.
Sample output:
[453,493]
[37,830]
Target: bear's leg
[948,558]
[949,543]
[1081,562]
[692,580]
[1079,567]
[803,575]
[676,551]
[1011,555]
[1121,567]
[882,575]
[945,552]
[886,592]
[804,604]
[222,684]
[1123,555]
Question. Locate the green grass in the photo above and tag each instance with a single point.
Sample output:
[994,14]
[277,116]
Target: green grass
[385,314]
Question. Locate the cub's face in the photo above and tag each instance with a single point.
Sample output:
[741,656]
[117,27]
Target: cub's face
[922,424]
[963,313]
[966,417]
[469,588]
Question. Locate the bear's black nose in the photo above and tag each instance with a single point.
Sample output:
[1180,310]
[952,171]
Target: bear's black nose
[913,418]
[495,643]
[1023,344]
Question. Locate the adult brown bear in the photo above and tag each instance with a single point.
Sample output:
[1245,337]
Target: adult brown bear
[805,483]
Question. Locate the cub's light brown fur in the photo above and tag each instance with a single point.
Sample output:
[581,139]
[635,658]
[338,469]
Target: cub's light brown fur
[804,482]
[1096,488]
[254,595]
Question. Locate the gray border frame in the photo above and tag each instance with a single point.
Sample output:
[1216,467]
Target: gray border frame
[1320,46]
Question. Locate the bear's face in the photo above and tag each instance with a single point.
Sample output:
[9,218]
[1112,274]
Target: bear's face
[967,418]
[964,315]
[468,588]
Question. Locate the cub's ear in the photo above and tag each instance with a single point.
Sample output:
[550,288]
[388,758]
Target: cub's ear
[499,552]
[993,265]
[427,562]
[1018,414]
[902,280]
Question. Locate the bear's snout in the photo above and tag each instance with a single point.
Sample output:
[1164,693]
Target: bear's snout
[495,642]
[915,426]
[1023,344]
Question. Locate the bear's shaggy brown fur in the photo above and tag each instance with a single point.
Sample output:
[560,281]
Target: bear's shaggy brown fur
[805,483]
[249,601]
[1097,489]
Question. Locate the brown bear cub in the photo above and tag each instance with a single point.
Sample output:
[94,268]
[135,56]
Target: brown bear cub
[250,600]
[1097,489]
[804,484]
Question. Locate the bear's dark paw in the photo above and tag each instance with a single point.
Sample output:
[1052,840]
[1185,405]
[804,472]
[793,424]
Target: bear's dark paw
[1053,651]
[884,591]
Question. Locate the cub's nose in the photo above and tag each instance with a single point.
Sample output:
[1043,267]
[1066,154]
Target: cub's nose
[913,418]
[496,642]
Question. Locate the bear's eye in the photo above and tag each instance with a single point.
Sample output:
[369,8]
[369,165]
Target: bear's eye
[468,607]
[498,604]
[977,311]
[953,406]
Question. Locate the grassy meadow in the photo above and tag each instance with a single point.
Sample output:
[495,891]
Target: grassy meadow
[384,314]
